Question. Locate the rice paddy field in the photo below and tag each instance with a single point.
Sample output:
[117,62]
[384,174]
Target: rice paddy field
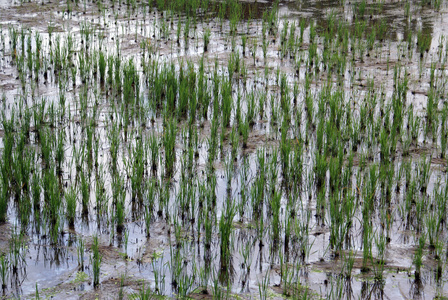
[201,149]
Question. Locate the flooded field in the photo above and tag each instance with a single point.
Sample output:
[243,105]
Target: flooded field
[195,149]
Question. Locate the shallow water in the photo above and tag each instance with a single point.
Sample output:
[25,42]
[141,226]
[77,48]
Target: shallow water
[53,266]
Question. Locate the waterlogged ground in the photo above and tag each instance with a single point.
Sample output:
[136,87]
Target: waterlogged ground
[209,150]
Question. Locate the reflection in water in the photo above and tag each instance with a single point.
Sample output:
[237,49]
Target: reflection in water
[313,11]
[416,289]
[372,290]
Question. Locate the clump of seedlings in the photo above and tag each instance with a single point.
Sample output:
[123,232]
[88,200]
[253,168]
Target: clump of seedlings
[214,170]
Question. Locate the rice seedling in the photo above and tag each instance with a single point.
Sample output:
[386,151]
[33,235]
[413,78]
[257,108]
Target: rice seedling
[159,275]
[144,293]
[71,201]
[418,258]
[423,42]
[80,251]
[169,142]
[4,270]
[85,192]
[95,261]
[207,34]
[225,229]
[102,62]
[16,250]
[318,131]
[263,286]
[118,197]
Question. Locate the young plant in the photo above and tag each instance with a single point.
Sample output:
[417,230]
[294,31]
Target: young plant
[95,261]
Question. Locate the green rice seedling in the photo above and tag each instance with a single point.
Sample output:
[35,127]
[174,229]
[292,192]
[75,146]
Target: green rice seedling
[119,202]
[423,42]
[114,139]
[52,197]
[149,206]
[212,140]
[126,242]
[251,109]
[13,35]
[283,40]
[238,117]
[443,133]
[144,293]
[95,261]
[406,141]
[244,130]
[243,44]
[441,203]
[424,173]
[336,288]
[16,250]
[4,270]
[217,291]
[120,291]
[341,215]
[418,257]
[185,284]
[29,53]
[102,66]
[417,219]
[85,193]
[136,170]
[261,103]
[169,142]
[275,204]
[253,49]
[164,195]
[407,9]
[433,226]
[378,264]
[349,261]
[36,190]
[234,139]
[178,31]
[60,151]
[45,144]
[263,286]
[246,254]
[159,275]
[154,150]
[110,70]
[225,229]
[186,31]
[273,171]
[320,169]
[208,228]
[71,199]
[407,204]
[229,171]
[37,55]
[226,102]
[292,43]
[366,233]
[207,34]
[414,125]
[130,84]
[264,47]
[431,115]
[117,73]
[384,146]
[80,252]
[258,188]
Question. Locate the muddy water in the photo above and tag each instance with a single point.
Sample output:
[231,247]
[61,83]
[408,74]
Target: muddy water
[55,267]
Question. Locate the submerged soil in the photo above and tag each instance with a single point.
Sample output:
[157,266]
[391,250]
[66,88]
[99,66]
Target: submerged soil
[162,246]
